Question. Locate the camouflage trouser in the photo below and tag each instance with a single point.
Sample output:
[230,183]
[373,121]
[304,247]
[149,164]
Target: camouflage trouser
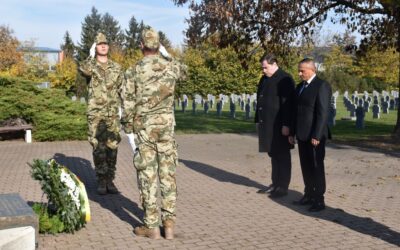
[156,160]
[104,137]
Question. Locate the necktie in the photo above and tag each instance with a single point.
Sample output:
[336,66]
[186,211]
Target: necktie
[305,85]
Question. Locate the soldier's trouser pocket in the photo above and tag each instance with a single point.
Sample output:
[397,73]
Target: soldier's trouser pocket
[144,157]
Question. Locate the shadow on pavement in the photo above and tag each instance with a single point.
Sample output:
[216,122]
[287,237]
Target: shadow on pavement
[118,204]
[364,225]
[221,175]
[364,148]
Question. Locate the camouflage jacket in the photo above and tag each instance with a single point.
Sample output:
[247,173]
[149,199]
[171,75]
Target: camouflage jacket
[149,90]
[104,87]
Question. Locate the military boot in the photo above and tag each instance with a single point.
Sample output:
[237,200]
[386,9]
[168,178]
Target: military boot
[111,188]
[152,233]
[101,186]
[168,229]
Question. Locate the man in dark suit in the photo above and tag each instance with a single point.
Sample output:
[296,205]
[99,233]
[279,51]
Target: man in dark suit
[273,119]
[310,127]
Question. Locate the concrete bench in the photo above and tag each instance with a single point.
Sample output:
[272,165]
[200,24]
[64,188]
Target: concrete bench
[26,128]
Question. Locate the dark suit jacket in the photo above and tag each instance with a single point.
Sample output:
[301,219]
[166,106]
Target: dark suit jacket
[311,111]
[274,107]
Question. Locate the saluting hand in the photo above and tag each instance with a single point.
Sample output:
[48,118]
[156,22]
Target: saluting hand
[92,51]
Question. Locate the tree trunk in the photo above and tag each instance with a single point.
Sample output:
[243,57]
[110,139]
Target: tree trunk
[397,127]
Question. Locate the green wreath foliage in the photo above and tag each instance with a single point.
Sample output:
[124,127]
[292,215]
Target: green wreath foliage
[60,209]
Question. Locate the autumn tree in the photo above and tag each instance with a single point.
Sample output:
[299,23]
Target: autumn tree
[90,27]
[216,71]
[9,55]
[68,46]
[164,40]
[65,75]
[277,23]
[132,34]
[382,65]
[112,30]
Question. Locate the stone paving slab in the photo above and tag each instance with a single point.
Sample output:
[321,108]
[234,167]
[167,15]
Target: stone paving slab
[218,207]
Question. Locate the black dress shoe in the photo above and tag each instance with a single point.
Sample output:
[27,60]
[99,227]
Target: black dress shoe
[305,200]
[267,190]
[317,206]
[278,193]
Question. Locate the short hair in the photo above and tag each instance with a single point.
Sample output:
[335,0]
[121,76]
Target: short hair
[149,50]
[309,61]
[270,58]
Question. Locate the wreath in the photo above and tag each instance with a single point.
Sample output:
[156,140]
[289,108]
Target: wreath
[68,208]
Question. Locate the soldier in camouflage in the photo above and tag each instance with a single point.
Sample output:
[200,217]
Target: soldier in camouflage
[148,96]
[104,100]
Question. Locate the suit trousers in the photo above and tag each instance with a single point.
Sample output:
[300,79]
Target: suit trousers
[281,169]
[313,169]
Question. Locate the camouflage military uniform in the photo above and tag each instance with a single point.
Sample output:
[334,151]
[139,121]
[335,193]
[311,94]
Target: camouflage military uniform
[102,113]
[148,96]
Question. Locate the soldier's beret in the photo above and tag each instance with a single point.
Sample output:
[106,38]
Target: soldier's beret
[150,38]
[101,38]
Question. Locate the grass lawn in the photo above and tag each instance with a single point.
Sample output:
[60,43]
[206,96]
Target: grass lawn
[376,134]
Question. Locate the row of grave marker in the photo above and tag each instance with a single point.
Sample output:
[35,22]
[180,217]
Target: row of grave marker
[357,105]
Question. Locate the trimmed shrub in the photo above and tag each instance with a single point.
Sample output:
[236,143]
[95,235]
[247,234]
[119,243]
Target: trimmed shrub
[53,115]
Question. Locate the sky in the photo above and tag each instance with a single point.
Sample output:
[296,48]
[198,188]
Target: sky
[46,21]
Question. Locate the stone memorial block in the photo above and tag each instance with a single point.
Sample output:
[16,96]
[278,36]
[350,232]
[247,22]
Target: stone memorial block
[73,98]
[385,107]
[353,108]
[336,94]
[242,105]
[376,110]
[206,107]
[82,100]
[392,104]
[194,106]
[365,96]
[18,238]
[183,106]
[367,105]
[254,105]
[356,100]
[360,115]
[360,102]
[232,108]
[219,108]
[247,110]
[15,213]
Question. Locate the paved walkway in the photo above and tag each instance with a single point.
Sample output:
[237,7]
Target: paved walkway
[218,207]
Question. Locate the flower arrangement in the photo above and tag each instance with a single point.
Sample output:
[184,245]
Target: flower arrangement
[68,208]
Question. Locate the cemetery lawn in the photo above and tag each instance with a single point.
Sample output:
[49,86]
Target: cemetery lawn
[376,134]
[200,123]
